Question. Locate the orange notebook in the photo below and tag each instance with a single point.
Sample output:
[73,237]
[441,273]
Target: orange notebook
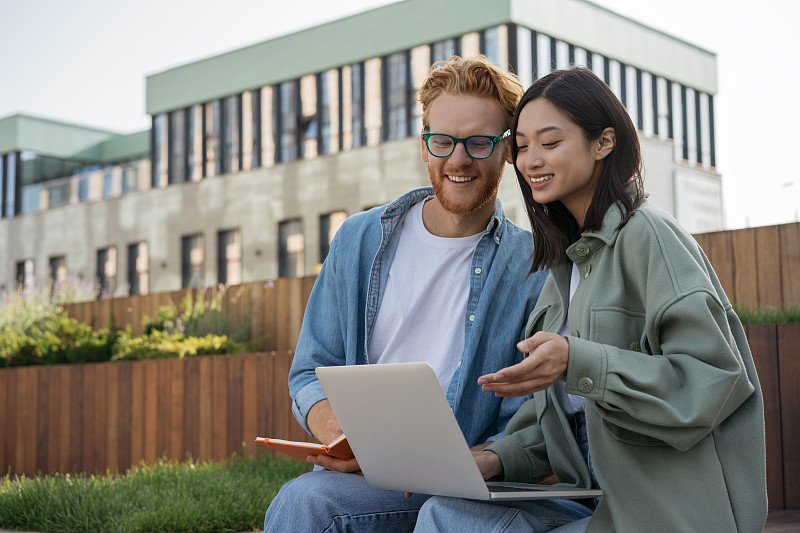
[339,448]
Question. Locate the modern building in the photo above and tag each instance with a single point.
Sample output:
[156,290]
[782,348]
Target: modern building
[256,156]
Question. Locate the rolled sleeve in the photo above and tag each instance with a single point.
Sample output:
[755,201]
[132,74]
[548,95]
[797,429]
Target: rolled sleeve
[304,400]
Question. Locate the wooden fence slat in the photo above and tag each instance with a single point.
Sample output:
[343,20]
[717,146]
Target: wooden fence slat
[177,414]
[89,417]
[42,377]
[763,343]
[205,426]
[219,408]
[789,366]
[151,407]
[125,415]
[768,261]
[76,414]
[191,400]
[235,404]
[163,422]
[4,410]
[137,413]
[55,439]
[745,269]
[12,414]
[251,397]
[790,263]
[111,419]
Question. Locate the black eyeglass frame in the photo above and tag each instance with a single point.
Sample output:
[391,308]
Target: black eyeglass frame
[456,140]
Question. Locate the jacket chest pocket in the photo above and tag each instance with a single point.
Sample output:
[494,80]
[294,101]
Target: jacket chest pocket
[617,327]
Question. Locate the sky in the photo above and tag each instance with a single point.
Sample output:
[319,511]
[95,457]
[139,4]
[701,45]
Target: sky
[86,61]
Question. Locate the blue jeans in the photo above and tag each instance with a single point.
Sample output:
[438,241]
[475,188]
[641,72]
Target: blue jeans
[440,513]
[325,501]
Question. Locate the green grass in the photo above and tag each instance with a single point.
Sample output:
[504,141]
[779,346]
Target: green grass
[230,495]
[768,315]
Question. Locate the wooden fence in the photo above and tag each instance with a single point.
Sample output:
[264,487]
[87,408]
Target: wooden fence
[110,416]
[757,266]
[89,418]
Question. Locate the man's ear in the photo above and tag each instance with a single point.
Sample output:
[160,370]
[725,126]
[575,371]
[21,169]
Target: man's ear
[424,149]
[508,157]
[605,144]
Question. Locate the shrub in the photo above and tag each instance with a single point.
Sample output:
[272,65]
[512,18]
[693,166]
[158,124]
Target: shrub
[159,344]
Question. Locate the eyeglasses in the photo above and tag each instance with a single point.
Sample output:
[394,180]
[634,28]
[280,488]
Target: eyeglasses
[477,146]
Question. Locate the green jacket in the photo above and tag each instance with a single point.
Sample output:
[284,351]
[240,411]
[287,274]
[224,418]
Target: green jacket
[674,411]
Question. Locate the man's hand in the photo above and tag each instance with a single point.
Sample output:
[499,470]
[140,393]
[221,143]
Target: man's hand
[323,422]
[546,363]
[332,463]
[325,426]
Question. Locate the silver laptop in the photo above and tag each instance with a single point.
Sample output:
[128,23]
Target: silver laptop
[406,438]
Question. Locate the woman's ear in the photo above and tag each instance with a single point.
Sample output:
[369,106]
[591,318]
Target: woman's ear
[604,144]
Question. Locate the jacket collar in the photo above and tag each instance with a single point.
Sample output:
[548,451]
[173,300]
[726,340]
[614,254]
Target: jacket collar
[591,241]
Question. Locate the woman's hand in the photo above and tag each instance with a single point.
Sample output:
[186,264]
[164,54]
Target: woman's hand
[489,464]
[548,355]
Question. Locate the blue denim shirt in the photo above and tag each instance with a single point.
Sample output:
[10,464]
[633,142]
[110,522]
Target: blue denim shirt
[347,294]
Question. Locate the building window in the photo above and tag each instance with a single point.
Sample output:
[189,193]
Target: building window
[397,87]
[490,45]
[59,193]
[328,225]
[324,114]
[108,182]
[177,149]
[444,50]
[192,260]
[58,269]
[12,191]
[291,248]
[138,268]
[213,123]
[229,257]
[358,102]
[130,178]
[286,118]
[159,151]
[251,129]
[194,143]
[25,275]
[83,190]
[231,133]
[106,271]
[309,119]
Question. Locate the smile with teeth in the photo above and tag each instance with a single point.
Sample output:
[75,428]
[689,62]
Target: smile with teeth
[542,179]
[460,179]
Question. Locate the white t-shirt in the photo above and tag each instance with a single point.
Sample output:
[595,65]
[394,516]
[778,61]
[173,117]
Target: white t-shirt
[422,314]
[571,403]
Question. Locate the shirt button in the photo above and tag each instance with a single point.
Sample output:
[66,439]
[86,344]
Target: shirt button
[459,363]
[585,385]
[582,249]
[497,240]
[472,318]
[478,270]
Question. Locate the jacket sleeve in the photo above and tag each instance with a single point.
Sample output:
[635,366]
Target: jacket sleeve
[522,450]
[321,341]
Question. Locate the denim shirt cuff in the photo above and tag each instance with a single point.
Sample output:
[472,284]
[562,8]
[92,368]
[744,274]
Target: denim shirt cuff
[304,400]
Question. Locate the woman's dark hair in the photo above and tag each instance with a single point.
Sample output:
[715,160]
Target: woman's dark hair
[588,102]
